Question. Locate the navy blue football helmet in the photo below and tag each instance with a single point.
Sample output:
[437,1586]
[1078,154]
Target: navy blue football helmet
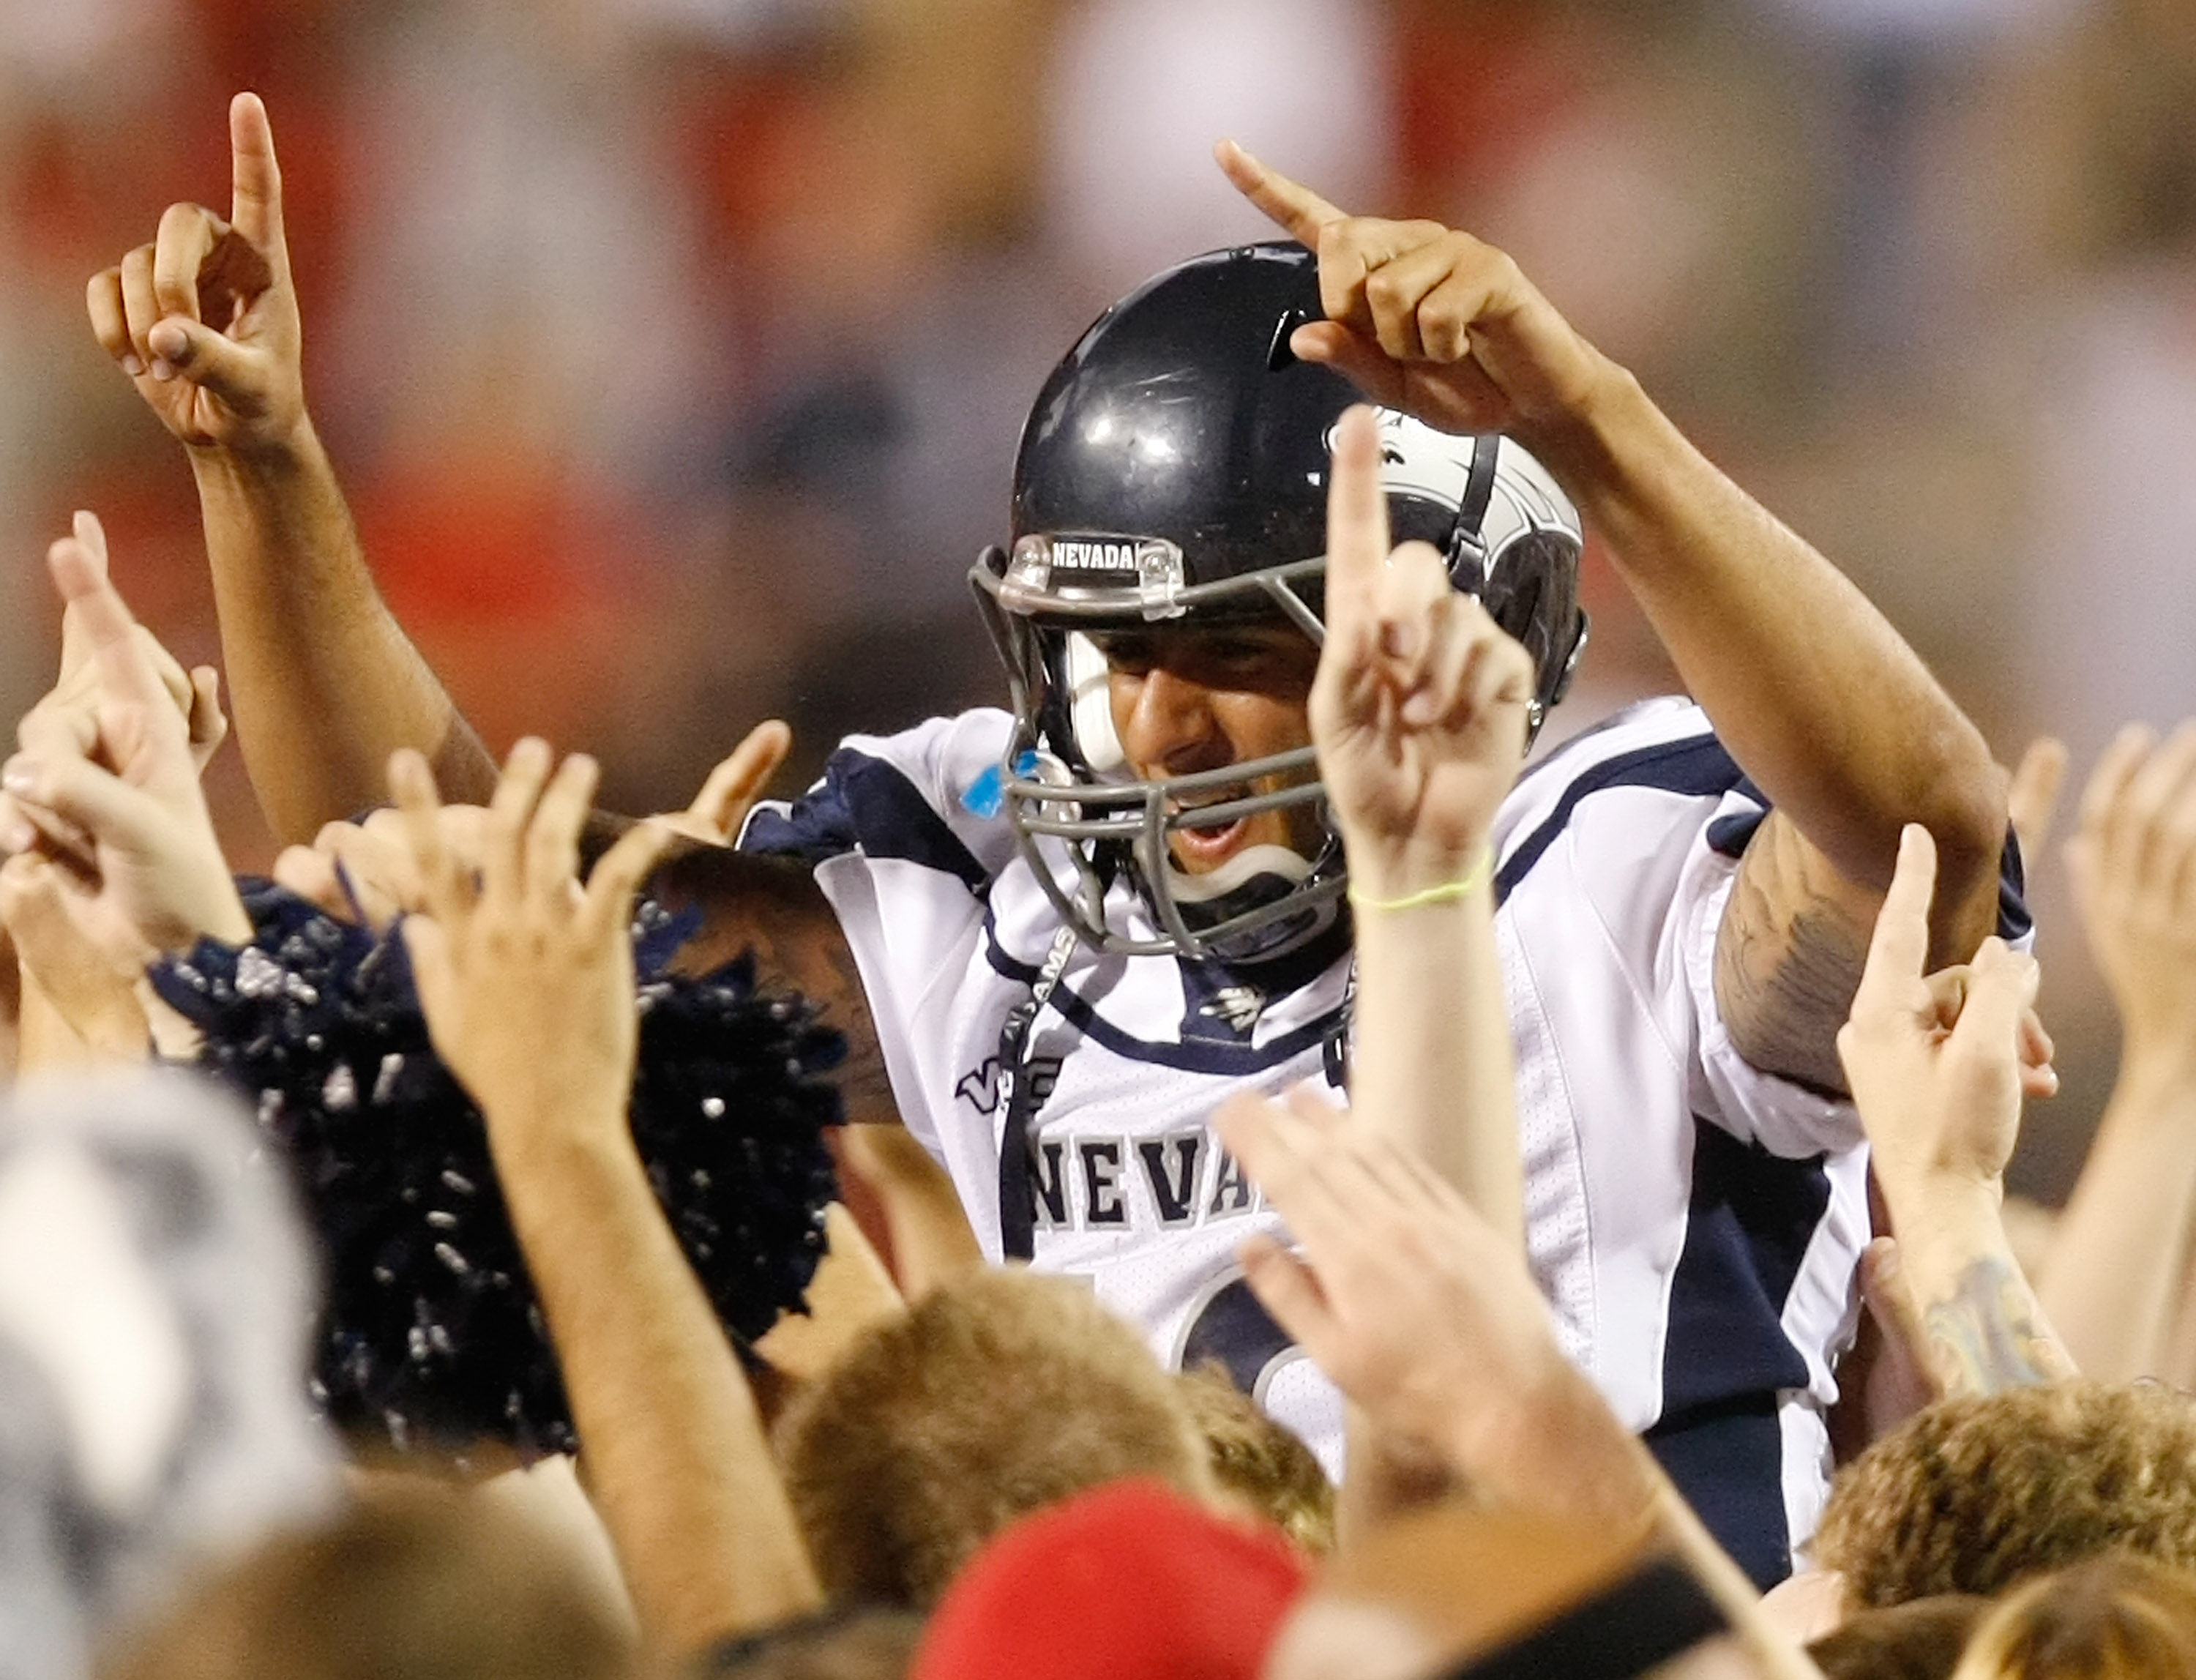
[1174,471]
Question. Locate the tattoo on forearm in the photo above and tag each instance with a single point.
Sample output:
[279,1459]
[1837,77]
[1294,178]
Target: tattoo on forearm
[1990,1335]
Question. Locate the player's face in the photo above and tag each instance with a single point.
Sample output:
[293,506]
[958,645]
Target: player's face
[1185,701]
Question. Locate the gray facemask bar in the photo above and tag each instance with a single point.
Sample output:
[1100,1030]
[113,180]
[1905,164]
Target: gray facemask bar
[1142,822]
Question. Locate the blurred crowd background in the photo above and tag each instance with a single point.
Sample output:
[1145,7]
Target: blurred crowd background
[674,351]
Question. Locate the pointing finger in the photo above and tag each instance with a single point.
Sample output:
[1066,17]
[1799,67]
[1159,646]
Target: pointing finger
[76,641]
[85,528]
[255,178]
[127,676]
[1356,523]
[1289,206]
[1898,949]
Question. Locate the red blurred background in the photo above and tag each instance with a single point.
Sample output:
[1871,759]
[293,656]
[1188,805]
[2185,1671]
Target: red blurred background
[673,351]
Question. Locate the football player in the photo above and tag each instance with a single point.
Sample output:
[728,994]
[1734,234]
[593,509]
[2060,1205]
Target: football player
[1059,935]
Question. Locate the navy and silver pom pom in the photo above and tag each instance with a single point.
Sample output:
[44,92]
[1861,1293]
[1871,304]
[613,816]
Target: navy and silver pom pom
[431,1334]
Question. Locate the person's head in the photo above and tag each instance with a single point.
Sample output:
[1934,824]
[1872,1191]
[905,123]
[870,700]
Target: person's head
[1921,1640]
[2116,1617]
[1127,1579]
[1257,1462]
[1973,1495]
[996,1395]
[1159,610]
[415,1581]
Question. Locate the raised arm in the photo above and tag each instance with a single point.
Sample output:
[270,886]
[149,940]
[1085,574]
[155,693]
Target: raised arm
[1934,1063]
[1419,714]
[1829,713]
[114,859]
[527,983]
[2120,1264]
[324,681]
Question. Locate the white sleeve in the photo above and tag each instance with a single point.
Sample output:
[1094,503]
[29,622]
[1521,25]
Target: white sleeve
[1783,1117]
[904,835]
[926,795]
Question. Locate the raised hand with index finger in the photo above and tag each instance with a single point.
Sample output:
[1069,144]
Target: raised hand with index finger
[1419,710]
[142,871]
[205,319]
[1937,1074]
[1428,320]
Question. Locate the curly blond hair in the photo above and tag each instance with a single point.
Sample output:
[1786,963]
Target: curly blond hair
[1973,1495]
[997,1395]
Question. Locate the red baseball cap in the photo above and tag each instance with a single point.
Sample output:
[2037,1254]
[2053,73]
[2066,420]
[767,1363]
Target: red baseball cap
[1131,1581]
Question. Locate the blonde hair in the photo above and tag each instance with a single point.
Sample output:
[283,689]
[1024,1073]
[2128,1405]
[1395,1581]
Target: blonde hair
[1262,1466]
[2117,1617]
[1975,1495]
[996,1395]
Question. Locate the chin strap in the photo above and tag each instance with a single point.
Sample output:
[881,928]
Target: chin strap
[1017,1102]
[1335,1051]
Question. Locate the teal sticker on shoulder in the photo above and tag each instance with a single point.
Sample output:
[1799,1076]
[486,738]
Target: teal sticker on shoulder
[986,793]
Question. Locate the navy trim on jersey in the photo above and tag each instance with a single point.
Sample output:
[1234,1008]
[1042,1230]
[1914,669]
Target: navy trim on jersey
[1696,765]
[1730,835]
[1750,1218]
[2013,920]
[1191,1056]
[867,803]
[1205,984]
[1728,1461]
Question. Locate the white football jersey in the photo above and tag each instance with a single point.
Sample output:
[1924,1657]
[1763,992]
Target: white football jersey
[1694,1222]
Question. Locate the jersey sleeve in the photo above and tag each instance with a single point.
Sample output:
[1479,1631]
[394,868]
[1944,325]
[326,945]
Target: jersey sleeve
[906,838]
[920,797]
[1781,1116]
[1784,1118]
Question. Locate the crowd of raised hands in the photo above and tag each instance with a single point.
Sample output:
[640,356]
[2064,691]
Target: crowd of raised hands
[942,1469]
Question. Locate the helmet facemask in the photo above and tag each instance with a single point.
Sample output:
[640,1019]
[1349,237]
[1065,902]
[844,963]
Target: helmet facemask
[1073,799]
